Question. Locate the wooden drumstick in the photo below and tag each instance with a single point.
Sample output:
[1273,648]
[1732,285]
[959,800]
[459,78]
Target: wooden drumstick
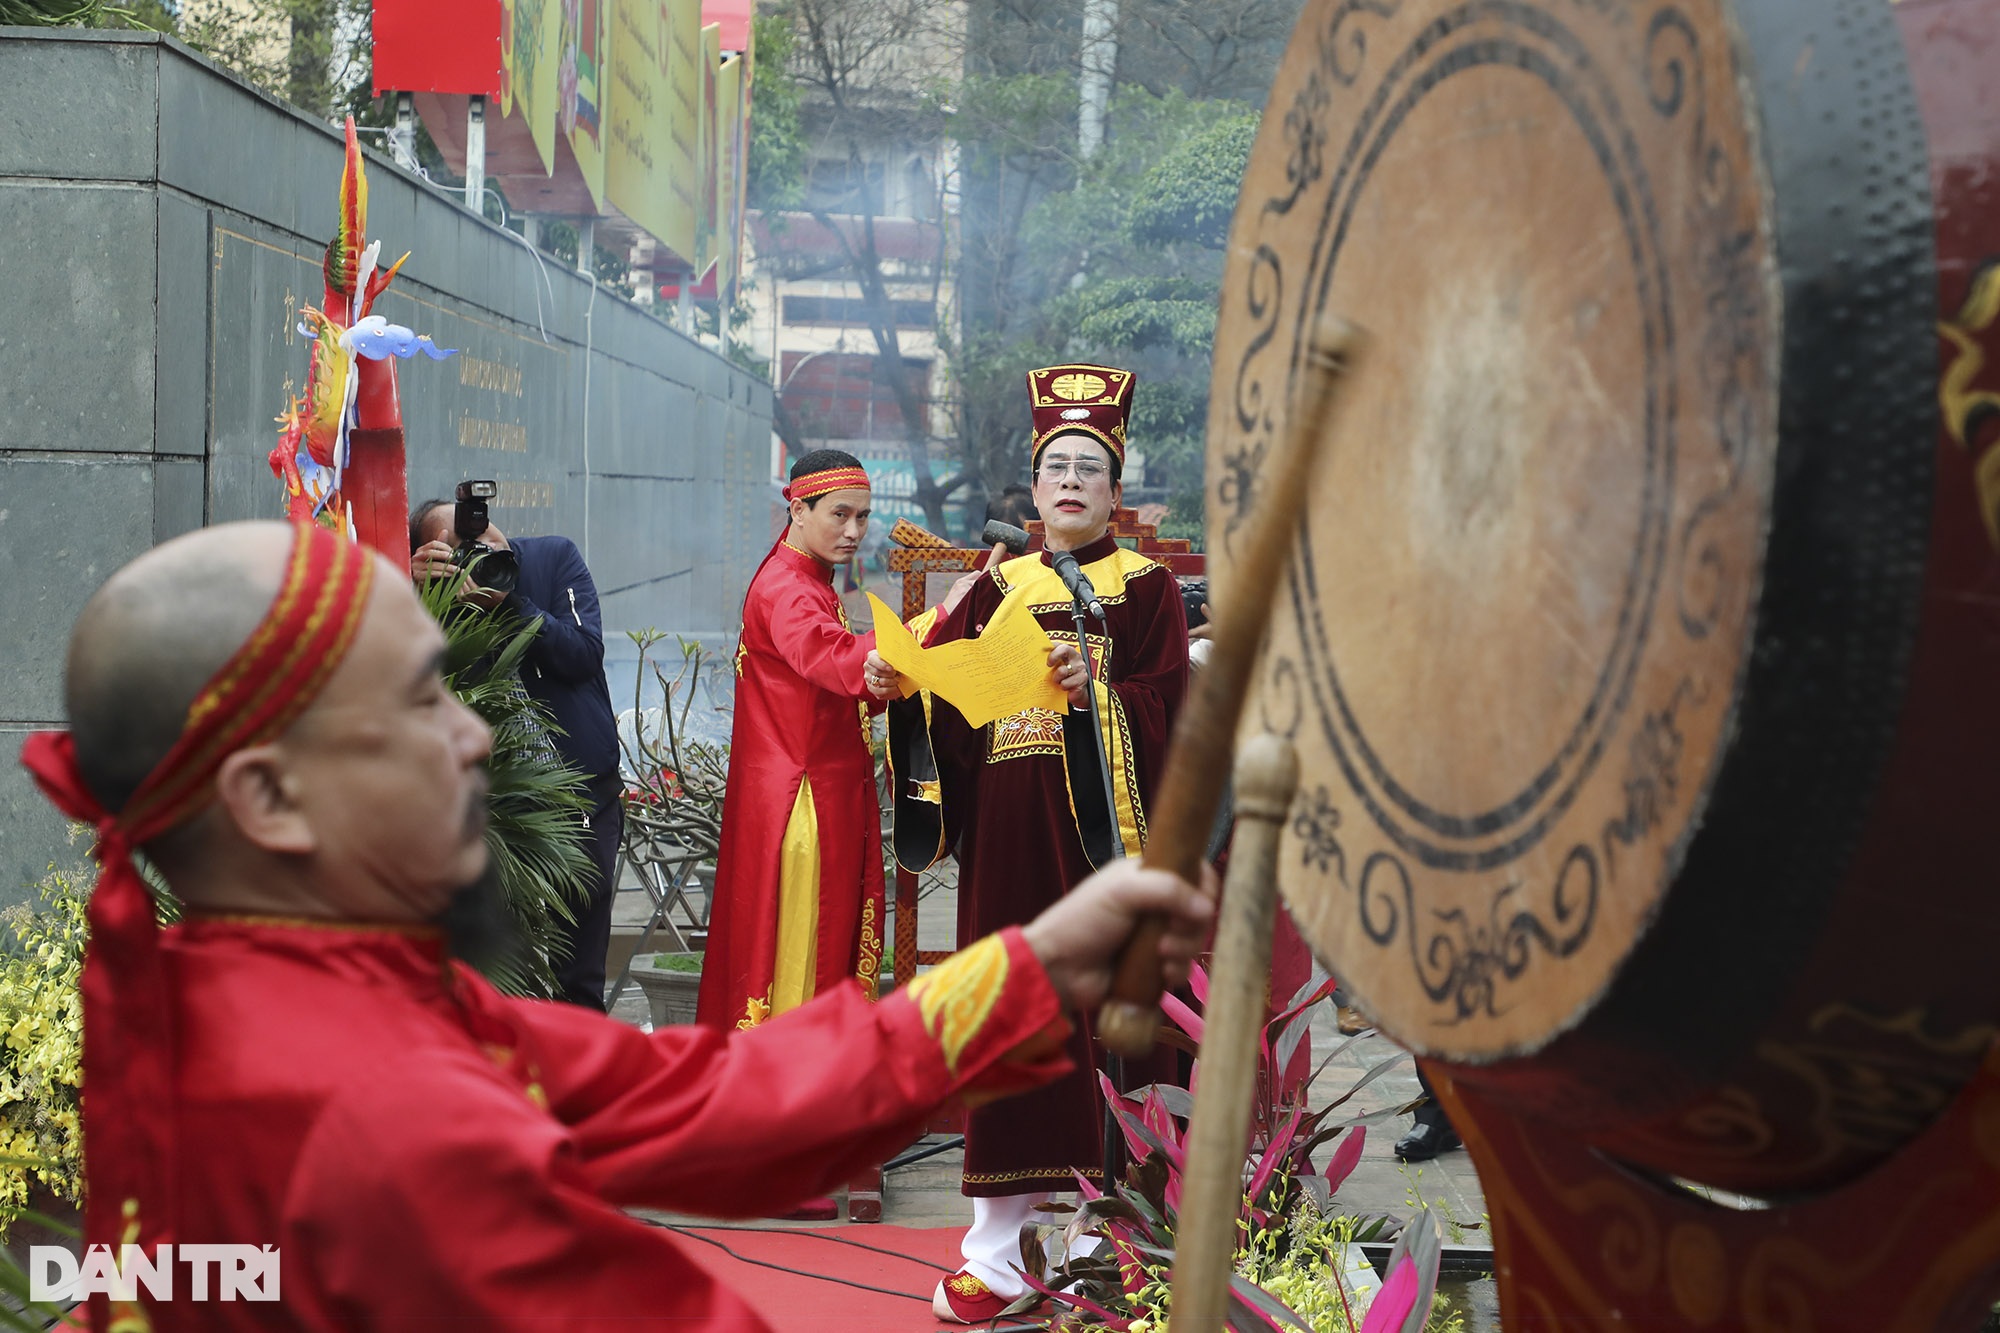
[1267,774]
[1206,733]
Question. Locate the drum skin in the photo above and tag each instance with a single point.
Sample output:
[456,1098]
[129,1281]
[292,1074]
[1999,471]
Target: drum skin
[1642,648]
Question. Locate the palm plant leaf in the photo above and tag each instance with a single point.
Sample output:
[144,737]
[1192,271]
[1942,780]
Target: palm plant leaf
[536,804]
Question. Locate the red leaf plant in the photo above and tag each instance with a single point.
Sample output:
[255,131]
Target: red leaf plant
[1118,1246]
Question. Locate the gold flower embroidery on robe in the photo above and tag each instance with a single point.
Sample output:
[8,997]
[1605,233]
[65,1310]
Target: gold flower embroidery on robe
[956,997]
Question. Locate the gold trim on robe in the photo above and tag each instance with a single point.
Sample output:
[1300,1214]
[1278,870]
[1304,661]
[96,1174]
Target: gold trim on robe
[1124,773]
[798,906]
[868,958]
[957,996]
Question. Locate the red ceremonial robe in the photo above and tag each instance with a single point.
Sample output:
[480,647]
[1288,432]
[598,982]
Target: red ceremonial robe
[1023,801]
[427,1153]
[801,787]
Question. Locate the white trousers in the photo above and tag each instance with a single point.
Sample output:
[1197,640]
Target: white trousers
[992,1247]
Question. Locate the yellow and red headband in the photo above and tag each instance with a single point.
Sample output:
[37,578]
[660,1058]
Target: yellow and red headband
[815,484]
[128,1041]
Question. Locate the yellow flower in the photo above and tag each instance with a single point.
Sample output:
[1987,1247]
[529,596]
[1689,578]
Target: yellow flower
[41,1026]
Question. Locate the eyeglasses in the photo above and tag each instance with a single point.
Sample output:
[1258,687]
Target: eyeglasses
[1087,469]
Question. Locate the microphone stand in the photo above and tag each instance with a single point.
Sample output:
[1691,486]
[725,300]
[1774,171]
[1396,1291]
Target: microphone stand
[1078,610]
[1114,1138]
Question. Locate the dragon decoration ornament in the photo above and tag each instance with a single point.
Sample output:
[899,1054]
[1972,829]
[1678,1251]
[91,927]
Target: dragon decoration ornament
[340,443]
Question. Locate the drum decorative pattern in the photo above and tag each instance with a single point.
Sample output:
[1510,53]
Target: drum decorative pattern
[1442,895]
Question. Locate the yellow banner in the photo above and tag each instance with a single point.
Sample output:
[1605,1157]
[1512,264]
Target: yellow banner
[636,112]
[682,164]
[729,173]
[626,84]
[540,112]
[707,150]
[642,157]
[506,99]
[530,52]
[581,87]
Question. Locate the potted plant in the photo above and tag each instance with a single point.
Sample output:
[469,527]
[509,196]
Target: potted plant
[671,984]
[1298,1263]
[674,784]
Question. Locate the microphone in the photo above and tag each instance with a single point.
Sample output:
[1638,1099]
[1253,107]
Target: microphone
[1077,582]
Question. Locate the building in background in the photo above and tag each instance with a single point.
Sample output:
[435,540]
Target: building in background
[847,294]
[811,318]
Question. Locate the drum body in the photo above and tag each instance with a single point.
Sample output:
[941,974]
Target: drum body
[1643,646]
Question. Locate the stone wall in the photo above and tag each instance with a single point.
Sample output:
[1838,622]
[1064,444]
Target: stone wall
[160,224]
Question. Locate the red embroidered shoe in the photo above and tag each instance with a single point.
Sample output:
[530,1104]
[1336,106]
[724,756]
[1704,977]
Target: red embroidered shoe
[964,1299]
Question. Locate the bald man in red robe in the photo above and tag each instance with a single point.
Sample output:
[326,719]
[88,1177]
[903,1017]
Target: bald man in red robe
[301,1064]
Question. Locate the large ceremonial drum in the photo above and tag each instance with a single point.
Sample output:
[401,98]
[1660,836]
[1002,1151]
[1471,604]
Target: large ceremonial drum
[1642,647]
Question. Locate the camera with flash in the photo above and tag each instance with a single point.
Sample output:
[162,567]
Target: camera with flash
[493,568]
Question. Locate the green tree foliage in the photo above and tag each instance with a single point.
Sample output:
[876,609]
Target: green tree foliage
[55,13]
[1190,194]
[864,72]
[776,166]
[1117,259]
[41,1042]
[1139,314]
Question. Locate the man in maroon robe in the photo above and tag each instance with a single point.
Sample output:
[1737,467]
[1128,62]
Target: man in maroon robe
[1023,800]
[299,1065]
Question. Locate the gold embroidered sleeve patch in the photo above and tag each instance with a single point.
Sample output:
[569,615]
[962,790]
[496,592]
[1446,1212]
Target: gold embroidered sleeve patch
[957,996]
[755,1011]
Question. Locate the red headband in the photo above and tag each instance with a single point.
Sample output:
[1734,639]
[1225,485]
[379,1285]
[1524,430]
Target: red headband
[127,1040]
[815,484]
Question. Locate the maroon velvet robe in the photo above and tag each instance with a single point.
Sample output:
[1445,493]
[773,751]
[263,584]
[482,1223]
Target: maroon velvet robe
[1023,803]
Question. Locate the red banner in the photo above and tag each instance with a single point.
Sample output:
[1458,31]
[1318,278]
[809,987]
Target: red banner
[438,46]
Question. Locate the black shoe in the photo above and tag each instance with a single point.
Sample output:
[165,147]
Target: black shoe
[1425,1141]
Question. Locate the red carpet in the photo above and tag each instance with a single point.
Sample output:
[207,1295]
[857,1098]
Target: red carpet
[807,1280]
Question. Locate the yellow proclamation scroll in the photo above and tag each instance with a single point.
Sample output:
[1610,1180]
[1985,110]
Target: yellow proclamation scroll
[1002,672]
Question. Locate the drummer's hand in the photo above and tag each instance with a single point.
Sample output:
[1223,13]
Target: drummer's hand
[1066,670]
[1080,937]
[880,677]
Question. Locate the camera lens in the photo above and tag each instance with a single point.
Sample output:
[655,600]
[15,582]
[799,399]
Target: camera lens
[493,568]
[1194,597]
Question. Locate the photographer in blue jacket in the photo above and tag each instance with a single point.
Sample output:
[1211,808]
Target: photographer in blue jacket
[544,580]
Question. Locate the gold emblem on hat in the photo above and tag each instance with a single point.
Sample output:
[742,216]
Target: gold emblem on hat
[1077,386]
